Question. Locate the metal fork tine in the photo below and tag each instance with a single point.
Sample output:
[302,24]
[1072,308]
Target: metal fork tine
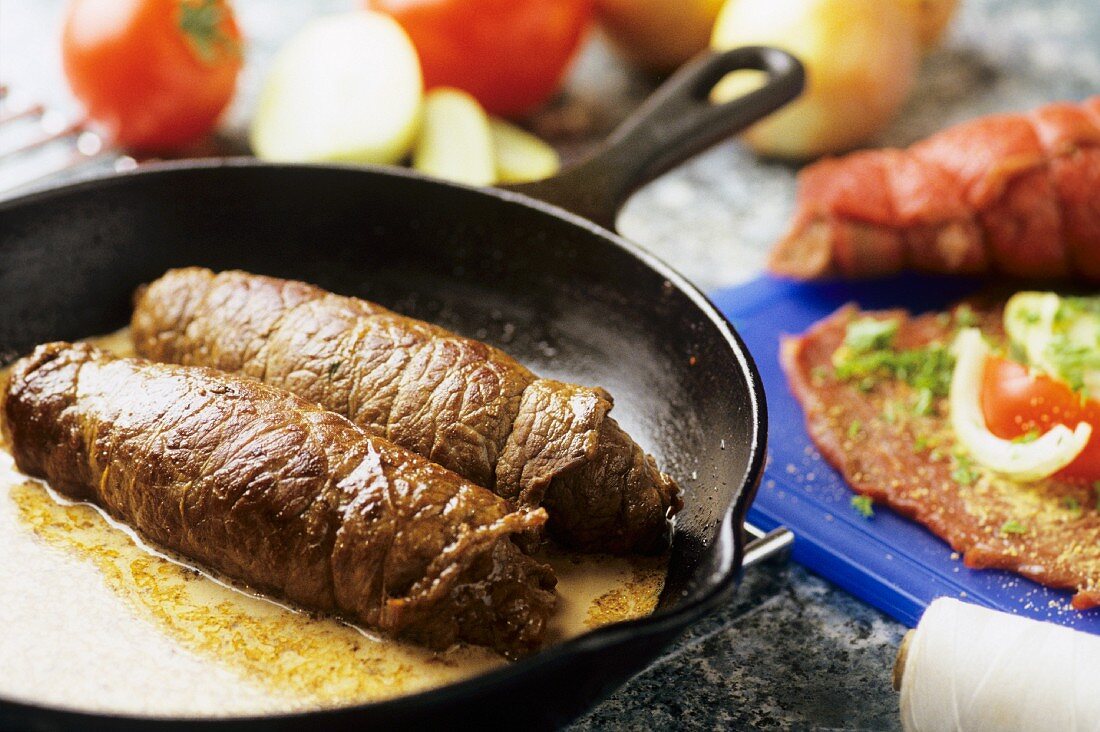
[72,129]
[47,144]
[35,110]
[75,163]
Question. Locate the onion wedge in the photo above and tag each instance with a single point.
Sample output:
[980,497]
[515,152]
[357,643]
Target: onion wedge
[455,142]
[520,156]
[1023,461]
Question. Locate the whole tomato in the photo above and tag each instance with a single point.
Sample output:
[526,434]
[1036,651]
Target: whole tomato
[155,73]
[509,54]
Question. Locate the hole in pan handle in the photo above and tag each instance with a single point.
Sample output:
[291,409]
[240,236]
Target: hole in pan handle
[677,122]
[762,546]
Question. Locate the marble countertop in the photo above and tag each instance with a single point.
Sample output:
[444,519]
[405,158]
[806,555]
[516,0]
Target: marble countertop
[791,651]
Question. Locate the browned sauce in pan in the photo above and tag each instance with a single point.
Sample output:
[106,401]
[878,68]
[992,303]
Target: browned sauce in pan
[94,619]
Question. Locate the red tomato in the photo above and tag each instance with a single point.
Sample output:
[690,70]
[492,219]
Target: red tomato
[155,73]
[509,54]
[1016,402]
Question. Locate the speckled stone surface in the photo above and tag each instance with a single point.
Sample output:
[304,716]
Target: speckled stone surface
[791,652]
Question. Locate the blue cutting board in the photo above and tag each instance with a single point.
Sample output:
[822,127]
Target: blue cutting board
[889,561]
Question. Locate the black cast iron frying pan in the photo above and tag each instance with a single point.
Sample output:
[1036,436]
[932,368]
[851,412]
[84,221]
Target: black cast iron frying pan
[556,289]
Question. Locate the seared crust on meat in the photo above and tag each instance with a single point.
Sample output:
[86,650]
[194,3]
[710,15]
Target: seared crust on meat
[266,488]
[907,462]
[456,401]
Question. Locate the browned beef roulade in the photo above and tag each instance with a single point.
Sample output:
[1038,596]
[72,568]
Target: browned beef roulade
[267,488]
[464,404]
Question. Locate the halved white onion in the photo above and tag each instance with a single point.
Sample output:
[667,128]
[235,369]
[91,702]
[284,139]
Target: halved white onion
[345,88]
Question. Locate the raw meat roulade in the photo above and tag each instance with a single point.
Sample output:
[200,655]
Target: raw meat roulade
[1015,194]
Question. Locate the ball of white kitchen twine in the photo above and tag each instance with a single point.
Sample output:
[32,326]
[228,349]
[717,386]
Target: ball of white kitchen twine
[972,669]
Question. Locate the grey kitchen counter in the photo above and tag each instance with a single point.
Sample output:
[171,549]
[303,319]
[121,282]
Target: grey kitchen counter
[790,651]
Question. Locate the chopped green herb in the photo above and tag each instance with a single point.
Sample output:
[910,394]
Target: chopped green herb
[922,368]
[922,404]
[1066,346]
[1070,308]
[1073,361]
[1030,436]
[854,428]
[890,411]
[1013,527]
[935,455]
[864,335]
[1029,317]
[920,443]
[964,473]
[333,368]
[862,505]
[1071,504]
[965,317]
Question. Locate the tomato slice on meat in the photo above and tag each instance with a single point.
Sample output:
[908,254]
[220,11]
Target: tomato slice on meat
[1016,402]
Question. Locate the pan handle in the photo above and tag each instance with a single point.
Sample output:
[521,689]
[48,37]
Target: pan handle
[765,545]
[675,123]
